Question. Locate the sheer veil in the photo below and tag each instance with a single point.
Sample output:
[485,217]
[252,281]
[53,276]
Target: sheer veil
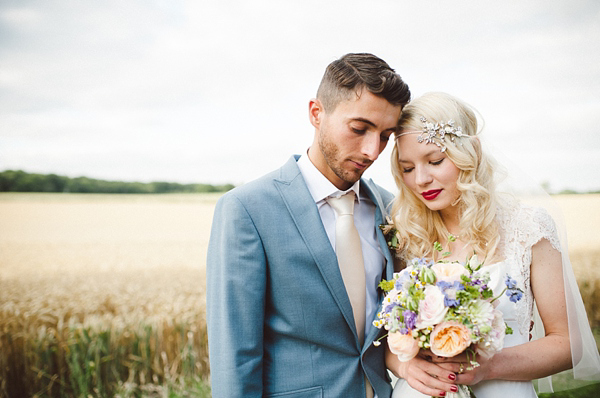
[515,182]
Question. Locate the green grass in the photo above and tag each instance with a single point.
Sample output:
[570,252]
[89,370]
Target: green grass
[591,391]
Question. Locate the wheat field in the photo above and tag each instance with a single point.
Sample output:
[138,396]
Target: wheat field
[104,295]
[101,288]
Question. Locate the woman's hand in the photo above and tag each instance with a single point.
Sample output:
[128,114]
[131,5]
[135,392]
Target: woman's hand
[467,373]
[424,376]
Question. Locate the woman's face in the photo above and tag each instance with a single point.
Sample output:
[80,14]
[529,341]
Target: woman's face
[428,173]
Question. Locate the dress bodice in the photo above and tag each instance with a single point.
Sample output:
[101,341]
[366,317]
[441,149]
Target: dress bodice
[520,228]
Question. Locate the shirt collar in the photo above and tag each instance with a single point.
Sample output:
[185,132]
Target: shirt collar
[319,186]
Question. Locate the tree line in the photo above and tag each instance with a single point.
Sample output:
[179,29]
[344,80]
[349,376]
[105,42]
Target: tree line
[20,181]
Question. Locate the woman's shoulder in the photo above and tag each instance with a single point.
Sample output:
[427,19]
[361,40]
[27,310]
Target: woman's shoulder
[531,223]
[511,208]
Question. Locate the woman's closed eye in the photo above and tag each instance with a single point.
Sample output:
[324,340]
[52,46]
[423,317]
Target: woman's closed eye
[437,162]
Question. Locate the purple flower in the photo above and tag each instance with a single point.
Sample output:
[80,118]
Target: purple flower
[410,318]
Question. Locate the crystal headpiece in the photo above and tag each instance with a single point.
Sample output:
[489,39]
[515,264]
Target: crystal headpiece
[438,130]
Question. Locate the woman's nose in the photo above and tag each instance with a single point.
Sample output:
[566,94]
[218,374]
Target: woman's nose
[423,177]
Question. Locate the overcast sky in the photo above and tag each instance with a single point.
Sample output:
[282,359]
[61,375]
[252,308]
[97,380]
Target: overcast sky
[218,91]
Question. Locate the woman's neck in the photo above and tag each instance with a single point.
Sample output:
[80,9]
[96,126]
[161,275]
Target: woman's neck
[451,220]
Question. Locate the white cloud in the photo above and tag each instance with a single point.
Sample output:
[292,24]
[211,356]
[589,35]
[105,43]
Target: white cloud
[218,91]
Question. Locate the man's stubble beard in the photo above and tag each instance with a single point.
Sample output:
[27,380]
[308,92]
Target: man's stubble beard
[330,153]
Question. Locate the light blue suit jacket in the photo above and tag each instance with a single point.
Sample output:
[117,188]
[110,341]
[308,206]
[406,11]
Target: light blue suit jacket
[280,323]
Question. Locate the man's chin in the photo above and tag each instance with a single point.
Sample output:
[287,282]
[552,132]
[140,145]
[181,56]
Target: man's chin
[352,177]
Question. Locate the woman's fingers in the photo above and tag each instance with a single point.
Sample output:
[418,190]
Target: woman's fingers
[430,379]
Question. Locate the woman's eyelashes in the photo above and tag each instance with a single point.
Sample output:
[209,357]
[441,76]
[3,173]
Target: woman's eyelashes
[432,162]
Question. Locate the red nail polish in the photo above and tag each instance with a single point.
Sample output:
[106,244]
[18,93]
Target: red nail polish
[443,394]
[452,376]
[454,388]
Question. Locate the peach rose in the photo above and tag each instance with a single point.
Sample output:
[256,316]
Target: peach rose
[431,309]
[403,345]
[449,272]
[449,339]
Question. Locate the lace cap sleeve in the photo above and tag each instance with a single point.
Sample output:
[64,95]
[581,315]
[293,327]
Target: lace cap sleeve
[542,227]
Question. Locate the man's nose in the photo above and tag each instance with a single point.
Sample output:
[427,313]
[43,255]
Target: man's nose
[371,146]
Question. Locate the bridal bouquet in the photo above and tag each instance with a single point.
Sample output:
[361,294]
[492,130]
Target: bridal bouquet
[446,307]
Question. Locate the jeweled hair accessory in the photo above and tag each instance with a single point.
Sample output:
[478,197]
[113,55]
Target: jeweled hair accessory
[438,130]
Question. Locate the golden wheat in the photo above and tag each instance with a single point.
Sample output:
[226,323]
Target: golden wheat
[99,287]
[112,287]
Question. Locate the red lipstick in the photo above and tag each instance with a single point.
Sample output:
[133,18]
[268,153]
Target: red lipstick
[431,195]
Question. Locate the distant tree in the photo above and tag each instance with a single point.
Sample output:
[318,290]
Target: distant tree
[20,181]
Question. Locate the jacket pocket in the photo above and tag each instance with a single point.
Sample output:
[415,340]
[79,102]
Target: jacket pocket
[313,392]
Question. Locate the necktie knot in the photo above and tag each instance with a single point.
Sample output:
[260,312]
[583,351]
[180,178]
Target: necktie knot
[344,205]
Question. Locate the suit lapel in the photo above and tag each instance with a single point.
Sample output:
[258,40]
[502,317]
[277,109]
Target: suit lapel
[305,214]
[380,214]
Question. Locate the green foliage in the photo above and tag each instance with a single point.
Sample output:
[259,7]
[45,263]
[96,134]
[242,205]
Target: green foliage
[583,392]
[20,181]
[386,286]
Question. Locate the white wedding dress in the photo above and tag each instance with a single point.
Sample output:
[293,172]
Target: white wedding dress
[521,227]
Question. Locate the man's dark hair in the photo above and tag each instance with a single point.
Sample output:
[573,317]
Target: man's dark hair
[353,72]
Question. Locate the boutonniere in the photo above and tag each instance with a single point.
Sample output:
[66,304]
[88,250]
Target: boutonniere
[390,233]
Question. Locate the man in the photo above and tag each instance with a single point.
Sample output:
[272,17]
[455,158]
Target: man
[285,317]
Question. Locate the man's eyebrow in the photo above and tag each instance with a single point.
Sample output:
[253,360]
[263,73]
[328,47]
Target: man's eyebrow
[362,119]
[370,123]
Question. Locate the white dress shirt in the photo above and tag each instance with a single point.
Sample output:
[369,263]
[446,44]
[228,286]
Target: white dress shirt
[364,219]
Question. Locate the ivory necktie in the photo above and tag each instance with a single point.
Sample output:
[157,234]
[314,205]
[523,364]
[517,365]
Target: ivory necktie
[350,259]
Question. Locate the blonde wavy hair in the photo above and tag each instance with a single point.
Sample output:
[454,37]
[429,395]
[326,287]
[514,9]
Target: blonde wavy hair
[417,226]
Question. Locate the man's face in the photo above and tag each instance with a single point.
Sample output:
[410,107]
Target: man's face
[350,138]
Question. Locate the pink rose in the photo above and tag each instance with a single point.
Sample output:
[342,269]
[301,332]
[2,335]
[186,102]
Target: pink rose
[403,345]
[449,272]
[494,340]
[431,309]
[449,339]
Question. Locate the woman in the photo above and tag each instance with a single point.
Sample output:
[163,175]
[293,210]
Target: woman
[446,187]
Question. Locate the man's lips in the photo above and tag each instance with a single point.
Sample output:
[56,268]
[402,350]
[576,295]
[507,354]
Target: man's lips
[432,194]
[360,165]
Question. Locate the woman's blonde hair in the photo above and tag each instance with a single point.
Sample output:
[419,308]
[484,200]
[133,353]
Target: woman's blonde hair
[420,227]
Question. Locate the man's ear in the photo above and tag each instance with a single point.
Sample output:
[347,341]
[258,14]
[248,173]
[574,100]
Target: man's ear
[315,112]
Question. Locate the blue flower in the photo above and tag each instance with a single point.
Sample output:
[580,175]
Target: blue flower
[449,290]
[514,295]
[390,307]
[510,283]
[448,302]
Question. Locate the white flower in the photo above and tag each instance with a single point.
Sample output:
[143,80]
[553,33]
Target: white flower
[494,340]
[481,313]
[431,309]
